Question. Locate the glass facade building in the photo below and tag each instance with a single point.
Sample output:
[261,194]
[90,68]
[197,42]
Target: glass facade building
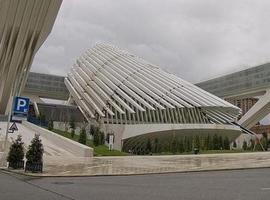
[46,86]
[245,81]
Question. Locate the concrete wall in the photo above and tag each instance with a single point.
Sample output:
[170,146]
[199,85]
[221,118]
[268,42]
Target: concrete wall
[71,146]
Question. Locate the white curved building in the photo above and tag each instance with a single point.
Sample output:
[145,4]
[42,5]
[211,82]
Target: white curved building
[24,26]
[132,97]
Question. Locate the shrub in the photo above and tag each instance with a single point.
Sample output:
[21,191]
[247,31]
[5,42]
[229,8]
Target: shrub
[82,137]
[72,133]
[16,151]
[50,125]
[35,150]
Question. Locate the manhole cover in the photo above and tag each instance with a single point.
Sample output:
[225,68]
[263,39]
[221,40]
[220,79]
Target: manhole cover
[63,183]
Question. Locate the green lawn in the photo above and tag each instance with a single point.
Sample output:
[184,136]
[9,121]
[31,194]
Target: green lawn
[101,150]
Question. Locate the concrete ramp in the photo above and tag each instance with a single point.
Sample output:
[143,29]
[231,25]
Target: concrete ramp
[54,144]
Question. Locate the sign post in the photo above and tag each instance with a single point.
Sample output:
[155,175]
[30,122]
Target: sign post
[18,112]
[111,141]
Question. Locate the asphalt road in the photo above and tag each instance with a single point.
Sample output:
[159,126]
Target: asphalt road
[221,185]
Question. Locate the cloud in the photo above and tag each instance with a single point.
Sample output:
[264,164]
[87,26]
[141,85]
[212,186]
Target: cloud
[196,40]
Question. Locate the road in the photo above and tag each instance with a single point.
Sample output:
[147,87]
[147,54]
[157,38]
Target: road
[221,185]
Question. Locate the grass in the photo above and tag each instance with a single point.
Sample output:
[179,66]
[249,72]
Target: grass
[101,150]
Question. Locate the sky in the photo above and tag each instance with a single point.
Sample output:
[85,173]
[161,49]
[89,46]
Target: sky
[194,39]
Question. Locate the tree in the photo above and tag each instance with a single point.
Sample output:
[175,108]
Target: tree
[101,138]
[82,137]
[174,145]
[245,146]
[252,144]
[156,146]
[50,125]
[72,127]
[148,145]
[35,150]
[181,146]
[72,124]
[234,145]
[92,130]
[16,151]
[96,137]
[72,133]
[206,142]
[220,143]
[215,142]
[226,143]
[197,142]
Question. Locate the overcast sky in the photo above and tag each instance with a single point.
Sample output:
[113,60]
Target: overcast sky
[195,39]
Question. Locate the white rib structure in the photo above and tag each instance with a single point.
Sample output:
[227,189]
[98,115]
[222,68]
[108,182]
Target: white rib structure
[24,26]
[120,88]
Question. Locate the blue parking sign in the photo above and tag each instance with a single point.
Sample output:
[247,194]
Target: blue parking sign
[20,108]
[21,105]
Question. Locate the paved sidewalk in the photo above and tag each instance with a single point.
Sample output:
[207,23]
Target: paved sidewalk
[153,164]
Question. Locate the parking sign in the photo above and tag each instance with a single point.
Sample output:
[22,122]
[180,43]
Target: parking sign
[20,108]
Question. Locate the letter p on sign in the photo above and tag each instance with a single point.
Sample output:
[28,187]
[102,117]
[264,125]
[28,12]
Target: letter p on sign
[21,105]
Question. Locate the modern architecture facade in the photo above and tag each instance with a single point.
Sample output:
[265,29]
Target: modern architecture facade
[131,97]
[250,83]
[45,86]
[24,26]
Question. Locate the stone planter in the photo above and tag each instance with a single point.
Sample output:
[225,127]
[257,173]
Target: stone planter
[16,165]
[34,167]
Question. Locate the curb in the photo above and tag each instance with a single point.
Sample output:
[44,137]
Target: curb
[32,175]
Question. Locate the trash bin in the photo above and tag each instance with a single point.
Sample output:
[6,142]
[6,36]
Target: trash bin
[196,150]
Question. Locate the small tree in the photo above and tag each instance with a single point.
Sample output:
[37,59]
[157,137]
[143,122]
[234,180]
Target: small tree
[245,146]
[216,145]
[220,143]
[101,138]
[148,145]
[35,150]
[50,125]
[16,151]
[72,133]
[252,145]
[72,127]
[92,130]
[197,142]
[226,143]
[82,137]
[72,124]
[156,145]
[96,137]
[234,145]
[174,145]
